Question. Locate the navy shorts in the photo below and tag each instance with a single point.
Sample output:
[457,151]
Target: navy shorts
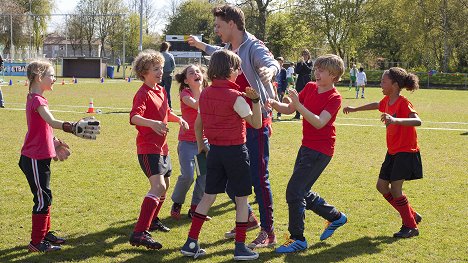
[228,167]
[401,166]
[155,164]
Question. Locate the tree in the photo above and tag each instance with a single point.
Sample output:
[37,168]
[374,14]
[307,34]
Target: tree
[89,9]
[108,15]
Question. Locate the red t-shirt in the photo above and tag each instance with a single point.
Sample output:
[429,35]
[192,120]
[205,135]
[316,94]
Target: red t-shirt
[321,140]
[39,141]
[243,84]
[150,103]
[189,114]
[399,138]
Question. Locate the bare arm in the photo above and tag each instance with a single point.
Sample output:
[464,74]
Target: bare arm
[370,106]
[49,118]
[174,118]
[157,126]
[412,120]
[195,42]
[255,120]
[281,107]
[191,102]
[318,121]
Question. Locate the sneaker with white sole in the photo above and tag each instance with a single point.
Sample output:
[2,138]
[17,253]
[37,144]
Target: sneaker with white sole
[44,246]
[241,252]
[191,248]
[263,239]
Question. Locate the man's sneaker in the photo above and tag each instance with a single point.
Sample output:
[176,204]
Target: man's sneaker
[406,232]
[263,240]
[190,215]
[417,218]
[241,252]
[332,226]
[191,248]
[144,239]
[292,245]
[251,225]
[156,224]
[53,239]
[175,211]
[44,246]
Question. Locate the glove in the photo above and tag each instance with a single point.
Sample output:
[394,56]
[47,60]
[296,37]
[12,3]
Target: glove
[86,128]
[62,150]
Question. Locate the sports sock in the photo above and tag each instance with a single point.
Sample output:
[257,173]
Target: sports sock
[39,228]
[158,208]
[197,223]
[48,220]
[389,197]
[193,208]
[403,207]
[148,207]
[241,229]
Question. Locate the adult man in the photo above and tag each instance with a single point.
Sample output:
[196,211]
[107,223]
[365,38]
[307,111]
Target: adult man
[119,63]
[257,70]
[168,69]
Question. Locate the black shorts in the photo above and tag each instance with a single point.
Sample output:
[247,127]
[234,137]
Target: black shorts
[228,167]
[401,166]
[38,175]
[155,164]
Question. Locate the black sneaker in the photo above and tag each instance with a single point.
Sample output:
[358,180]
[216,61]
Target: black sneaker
[406,232]
[53,239]
[144,239]
[44,246]
[156,224]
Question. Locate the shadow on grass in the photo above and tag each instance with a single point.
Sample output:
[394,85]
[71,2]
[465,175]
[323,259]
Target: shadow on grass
[465,133]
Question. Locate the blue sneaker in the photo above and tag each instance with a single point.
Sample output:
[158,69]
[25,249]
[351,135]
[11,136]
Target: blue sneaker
[291,246]
[241,252]
[332,226]
[191,248]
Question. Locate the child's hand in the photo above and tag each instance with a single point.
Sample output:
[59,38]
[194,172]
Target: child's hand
[62,150]
[266,74]
[251,93]
[269,103]
[286,100]
[348,109]
[160,128]
[184,124]
[86,128]
[203,148]
[293,96]
[387,119]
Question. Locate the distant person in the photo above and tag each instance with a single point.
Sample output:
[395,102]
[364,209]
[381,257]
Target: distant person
[40,147]
[361,80]
[168,70]
[150,114]
[303,70]
[319,103]
[119,63]
[2,102]
[352,76]
[290,75]
[403,159]
[192,82]
[282,82]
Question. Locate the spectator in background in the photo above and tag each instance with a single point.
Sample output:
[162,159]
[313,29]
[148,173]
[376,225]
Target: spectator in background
[303,70]
[169,66]
[119,63]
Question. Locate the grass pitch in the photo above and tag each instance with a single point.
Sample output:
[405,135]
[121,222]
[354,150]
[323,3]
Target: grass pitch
[98,191]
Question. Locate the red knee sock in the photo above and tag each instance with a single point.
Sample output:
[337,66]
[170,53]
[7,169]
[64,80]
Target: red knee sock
[148,207]
[388,196]
[193,208]
[403,207]
[39,228]
[158,208]
[241,229]
[197,223]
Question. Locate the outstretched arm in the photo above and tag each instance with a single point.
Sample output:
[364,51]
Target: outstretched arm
[370,106]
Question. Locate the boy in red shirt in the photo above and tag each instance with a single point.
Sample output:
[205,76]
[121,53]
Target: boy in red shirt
[403,160]
[318,103]
[150,114]
[223,112]
[40,146]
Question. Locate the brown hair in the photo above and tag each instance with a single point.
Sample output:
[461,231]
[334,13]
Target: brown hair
[305,52]
[37,67]
[333,63]
[228,13]
[164,46]
[222,64]
[145,60]
[404,79]
[182,76]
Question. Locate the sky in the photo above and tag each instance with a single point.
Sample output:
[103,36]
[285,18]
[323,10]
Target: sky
[67,6]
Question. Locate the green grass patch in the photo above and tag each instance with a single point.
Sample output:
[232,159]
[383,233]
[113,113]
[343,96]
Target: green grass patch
[98,191]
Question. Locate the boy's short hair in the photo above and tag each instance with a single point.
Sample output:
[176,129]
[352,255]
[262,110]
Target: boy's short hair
[37,67]
[164,46]
[222,63]
[230,12]
[333,63]
[145,60]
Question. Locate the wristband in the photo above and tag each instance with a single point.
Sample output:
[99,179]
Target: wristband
[255,100]
[67,126]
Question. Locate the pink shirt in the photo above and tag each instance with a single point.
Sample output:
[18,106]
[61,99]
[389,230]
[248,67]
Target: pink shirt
[151,103]
[39,141]
[321,140]
[189,114]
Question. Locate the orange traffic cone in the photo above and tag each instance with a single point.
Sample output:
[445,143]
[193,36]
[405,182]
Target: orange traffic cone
[26,83]
[91,107]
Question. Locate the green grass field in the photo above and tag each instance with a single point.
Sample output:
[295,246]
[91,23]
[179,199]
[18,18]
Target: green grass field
[98,190]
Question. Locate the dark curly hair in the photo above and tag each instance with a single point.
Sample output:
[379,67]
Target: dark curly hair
[404,79]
